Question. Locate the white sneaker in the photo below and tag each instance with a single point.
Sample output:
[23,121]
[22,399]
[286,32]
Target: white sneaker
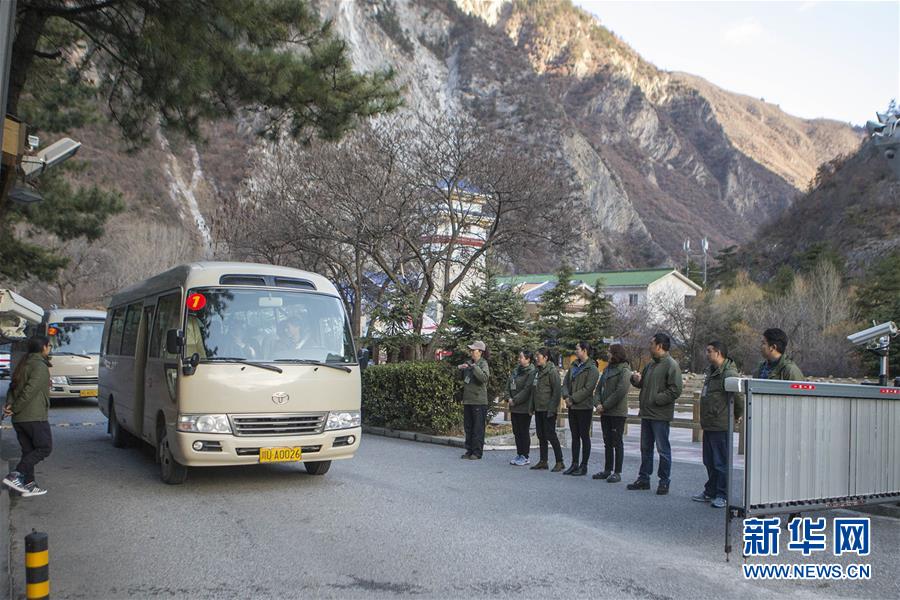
[14,481]
[33,489]
[525,461]
[515,461]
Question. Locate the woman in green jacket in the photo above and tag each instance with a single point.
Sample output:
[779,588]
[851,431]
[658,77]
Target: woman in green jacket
[475,373]
[28,403]
[547,394]
[612,404]
[520,391]
[578,392]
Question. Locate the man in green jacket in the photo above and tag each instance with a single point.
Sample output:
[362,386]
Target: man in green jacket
[660,386]
[775,364]
[28,403]
[475,374]
[714,422]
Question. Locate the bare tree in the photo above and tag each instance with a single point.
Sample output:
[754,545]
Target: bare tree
[418,202]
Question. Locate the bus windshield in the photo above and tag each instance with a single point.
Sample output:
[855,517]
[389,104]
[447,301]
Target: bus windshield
[76,337]
[267,326]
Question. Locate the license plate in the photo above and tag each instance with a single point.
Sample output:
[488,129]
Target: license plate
[88,393]
[279,454]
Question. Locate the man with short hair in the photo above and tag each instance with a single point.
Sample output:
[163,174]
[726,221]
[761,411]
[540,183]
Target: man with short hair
[660,386]
[775,364]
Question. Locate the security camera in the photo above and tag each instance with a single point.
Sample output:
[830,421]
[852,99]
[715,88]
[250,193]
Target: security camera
[52,155]
[873,334]
[15,313]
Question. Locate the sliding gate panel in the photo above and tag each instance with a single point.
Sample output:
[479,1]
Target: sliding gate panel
[875,447]
[813,446]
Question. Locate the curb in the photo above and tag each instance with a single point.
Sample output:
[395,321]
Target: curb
[441,440]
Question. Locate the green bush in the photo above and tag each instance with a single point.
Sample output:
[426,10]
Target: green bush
[416,396]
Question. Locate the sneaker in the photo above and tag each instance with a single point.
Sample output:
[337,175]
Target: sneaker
[701,497]
[33,489]
[601,475]
[614,478]
[14,481]
[515,461]
[640,484]
[662,489]
[521,461]
[525,461]
[719,502]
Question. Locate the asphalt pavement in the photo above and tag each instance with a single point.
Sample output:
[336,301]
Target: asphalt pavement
[400,519]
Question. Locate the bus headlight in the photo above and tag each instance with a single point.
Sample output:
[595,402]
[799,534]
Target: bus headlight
[343,420]
[59,380]
[204,423]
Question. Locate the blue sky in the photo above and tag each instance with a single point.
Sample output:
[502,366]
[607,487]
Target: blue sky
[839,60]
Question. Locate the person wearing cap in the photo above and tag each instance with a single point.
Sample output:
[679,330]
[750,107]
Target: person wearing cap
[475,373]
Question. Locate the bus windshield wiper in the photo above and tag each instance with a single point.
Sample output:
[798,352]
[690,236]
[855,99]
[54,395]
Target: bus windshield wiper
[243,361]
[316,363]
[71,354]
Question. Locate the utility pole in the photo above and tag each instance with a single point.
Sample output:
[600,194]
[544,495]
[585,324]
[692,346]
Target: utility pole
[7,33]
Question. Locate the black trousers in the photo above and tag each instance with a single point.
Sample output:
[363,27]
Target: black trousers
[36,442]
[474,418]
[521,424]
[580,426]
[545,427]
[612,428]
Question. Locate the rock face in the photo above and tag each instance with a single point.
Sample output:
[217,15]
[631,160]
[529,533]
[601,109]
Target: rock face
[657,157]
[853,211]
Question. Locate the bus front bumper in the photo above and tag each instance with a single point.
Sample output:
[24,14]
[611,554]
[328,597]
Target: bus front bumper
[226,450]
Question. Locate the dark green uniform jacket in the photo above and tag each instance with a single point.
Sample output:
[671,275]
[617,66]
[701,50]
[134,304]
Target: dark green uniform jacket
[521,389]
[547,389]
[31,401]
[785,369]
[581,390]
[612,392]
[660,387]
[475,380]
[714,398]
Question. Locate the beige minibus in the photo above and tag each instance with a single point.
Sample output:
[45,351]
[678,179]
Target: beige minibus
[75,337]
[218,364]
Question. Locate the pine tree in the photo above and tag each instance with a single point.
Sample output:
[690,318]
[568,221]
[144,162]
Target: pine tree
[594,324]
[495,315]
[175,63]
[878,299]
[554,326]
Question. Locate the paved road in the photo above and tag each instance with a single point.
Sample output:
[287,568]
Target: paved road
[401,519]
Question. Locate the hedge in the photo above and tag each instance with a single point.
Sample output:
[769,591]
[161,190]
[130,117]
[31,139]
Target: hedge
[416,396]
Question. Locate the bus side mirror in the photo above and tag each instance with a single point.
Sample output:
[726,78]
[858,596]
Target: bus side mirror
[174,341]
[363,358]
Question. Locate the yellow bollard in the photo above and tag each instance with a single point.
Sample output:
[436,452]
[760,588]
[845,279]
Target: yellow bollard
[37,566]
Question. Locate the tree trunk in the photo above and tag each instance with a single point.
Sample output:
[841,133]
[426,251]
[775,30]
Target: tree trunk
[29,31]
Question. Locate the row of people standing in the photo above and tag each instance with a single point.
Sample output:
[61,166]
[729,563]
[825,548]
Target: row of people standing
[535,390]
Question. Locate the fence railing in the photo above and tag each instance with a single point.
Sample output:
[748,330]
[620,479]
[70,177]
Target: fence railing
[689,402]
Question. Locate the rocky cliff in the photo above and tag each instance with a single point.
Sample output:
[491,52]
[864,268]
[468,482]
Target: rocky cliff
[657,156]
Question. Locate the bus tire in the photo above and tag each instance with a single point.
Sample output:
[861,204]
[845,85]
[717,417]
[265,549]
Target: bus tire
[170,470]
[317,468]
[119,435]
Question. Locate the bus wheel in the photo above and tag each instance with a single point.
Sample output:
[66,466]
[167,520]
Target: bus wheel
[170,471]
[317,468]
[119,435]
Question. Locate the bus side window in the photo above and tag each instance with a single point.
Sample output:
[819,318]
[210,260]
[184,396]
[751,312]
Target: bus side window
[132,322]
[114,344]
[166,318]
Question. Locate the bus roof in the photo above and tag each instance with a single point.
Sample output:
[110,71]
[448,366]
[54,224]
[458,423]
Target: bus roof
[214,274]
[61,315]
